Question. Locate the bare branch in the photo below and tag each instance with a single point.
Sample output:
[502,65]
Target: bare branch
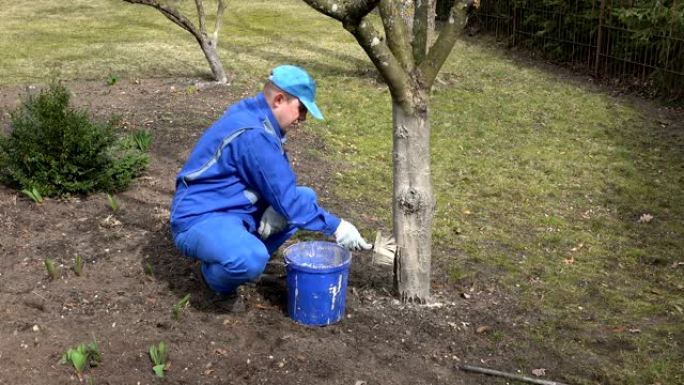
[387,64]
[201,16]
[445,42]
[350,11]
[220,9]
[395,33]
[209,46]
[173,15]
[420,29]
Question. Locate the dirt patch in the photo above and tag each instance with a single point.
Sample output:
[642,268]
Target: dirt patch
[119,304]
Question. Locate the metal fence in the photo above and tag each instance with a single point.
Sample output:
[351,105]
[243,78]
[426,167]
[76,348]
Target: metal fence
[591,35]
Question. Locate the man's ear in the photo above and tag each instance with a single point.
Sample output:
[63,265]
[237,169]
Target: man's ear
[278,99]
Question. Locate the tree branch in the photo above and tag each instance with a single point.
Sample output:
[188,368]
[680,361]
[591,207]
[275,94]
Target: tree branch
[201,16]
[445,42]
[420,29]
[173,15]
[395,34]
[387,64]
[349,11]
[220,9]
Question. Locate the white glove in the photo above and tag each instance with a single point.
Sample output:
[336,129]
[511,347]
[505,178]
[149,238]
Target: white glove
[271,223]
[348,237]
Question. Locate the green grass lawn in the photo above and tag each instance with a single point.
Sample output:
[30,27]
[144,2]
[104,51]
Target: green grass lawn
[540,182]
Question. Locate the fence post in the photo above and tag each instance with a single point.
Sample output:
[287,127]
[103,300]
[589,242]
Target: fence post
[515,22]
[599,38]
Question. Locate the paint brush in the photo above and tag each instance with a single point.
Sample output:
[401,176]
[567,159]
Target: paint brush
[384,249]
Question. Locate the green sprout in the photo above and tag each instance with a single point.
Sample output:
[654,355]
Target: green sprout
[143,140]
[158,355]
[148,269]
[112,79]
[78,265]
[180,306]
[82,357]
[33,194]
[51,268]
[113,203]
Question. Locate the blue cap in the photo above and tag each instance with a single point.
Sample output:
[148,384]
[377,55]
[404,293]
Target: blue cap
[296,82]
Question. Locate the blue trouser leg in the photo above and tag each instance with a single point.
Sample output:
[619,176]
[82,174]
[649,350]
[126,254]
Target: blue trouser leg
[229,253]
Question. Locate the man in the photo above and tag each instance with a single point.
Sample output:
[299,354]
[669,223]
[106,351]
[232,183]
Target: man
[236,197]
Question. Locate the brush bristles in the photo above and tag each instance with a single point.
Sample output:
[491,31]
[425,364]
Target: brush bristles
[384,250]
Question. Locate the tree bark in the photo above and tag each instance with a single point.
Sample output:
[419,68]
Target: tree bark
[414,203]
[208,44]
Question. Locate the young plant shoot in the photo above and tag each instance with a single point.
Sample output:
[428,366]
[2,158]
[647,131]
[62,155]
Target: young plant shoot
[82,356]
[159,355]
[51,268]
[78,265]
[180,306]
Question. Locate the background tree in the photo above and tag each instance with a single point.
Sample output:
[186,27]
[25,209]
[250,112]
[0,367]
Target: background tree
[409,66]
[208,43]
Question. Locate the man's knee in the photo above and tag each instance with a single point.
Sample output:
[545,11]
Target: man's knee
[306,191]
[255,265]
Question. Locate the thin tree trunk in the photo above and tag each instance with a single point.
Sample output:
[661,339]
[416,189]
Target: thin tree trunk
[413,203]
[211,53]
[209,45]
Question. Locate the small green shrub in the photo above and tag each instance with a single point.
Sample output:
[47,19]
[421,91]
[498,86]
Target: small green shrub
[58,150]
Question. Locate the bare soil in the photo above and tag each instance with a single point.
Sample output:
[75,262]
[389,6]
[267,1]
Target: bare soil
[117,303]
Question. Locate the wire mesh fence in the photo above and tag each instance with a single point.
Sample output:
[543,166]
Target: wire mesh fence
[638,42]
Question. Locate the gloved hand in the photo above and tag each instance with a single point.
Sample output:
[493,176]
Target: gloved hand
[348,237]
[271,223]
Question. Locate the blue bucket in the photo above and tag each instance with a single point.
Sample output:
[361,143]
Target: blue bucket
[317,275]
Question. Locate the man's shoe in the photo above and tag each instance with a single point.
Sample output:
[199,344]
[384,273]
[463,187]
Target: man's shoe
[196,268]
[231,303]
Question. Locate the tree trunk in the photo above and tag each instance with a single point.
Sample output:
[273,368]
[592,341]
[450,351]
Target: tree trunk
[211,53]
[413,202]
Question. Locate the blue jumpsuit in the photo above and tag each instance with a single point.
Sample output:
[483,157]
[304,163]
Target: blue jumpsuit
[237,169]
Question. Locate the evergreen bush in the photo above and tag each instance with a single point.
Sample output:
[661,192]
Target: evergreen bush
[59,150]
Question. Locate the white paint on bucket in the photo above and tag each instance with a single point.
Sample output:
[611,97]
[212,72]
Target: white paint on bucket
[296,291]
[335,291]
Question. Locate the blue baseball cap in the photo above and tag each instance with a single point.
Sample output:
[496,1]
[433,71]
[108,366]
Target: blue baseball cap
[296,82]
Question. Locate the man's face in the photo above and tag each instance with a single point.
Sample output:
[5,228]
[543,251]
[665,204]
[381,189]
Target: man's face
[288,111]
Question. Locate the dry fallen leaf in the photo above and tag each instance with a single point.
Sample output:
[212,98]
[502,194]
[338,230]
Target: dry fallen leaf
[221,352]
[539,372]
[569,261]
[645,218]
[483,329]
[577,247]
